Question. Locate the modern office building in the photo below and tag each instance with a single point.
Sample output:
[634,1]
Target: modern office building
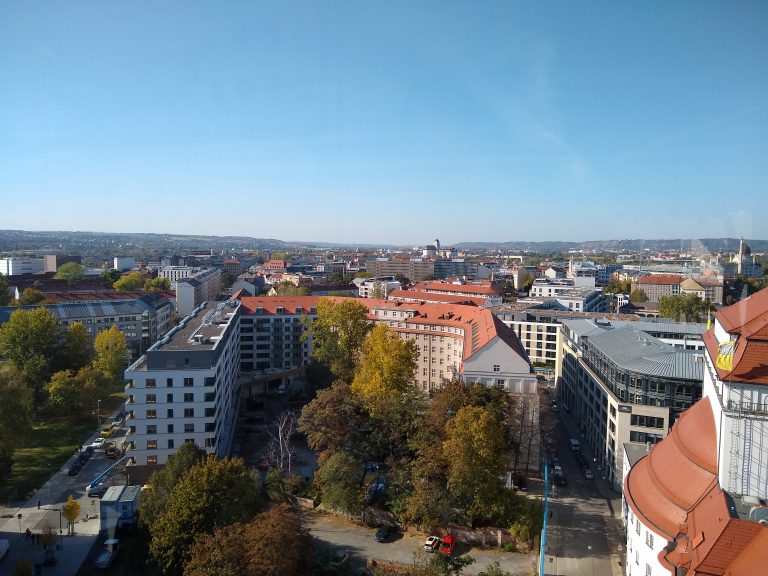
[415,269]
[184,388]
[695,503]
[622,385]
[176,273]
[15,266]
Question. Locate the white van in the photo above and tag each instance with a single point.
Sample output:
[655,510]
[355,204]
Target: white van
[5,545]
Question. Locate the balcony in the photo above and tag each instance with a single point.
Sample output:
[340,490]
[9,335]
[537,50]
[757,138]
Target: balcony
[754,408]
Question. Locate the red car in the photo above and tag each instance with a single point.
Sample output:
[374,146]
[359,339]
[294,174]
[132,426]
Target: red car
[448,546]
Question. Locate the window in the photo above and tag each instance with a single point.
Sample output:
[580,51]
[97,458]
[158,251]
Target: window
[151,428]
[210,397]
[189,397]
[152,459]
[169,413]
[170,443]
[637,526]
[189,427]
[169,382]
[210,381]
[151,414]
[210,412]
[151,398]
[189,412]
[210,426]
[648,570]
[151,444]
[151,383]
[649,539]
[169,398]
[497,368]
[189,382]
[170,428]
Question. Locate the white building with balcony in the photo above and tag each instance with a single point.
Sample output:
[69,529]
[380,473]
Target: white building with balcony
[184,388]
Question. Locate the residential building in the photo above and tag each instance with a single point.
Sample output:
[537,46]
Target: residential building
[204,286]
[479,289]
[622,385]
[233,267]
[437,298]
[142,320]
[15,266]
[274,267]
[176,273]
[415,269]
[185,388]
[452,340]
[369,287]
[124,263]
[568,294]
[695,504]
[458,267]
[656,286]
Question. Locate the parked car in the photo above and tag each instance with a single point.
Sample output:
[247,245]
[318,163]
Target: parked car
[448,546]
[97,490]
[522,483]
[107,556]
[106,430]
[74,468]
[432,544]
[383,533]
[117,422]
[98,443]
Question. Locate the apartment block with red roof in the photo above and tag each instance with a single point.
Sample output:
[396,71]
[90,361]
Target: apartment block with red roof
[478,289]
[696,503]
[657,285]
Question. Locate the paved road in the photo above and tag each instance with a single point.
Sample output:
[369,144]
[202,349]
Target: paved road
[337,533]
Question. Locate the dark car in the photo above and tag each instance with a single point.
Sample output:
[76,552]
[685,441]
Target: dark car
[74,469]
[560,480]
[522,483]
[383,533]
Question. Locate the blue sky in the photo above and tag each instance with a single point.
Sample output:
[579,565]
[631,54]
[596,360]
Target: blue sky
[392,122]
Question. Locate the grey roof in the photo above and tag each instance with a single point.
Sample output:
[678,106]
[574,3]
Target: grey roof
[76,310]
[637,351]
[635,452]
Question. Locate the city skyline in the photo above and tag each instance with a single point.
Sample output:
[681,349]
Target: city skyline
[347,123]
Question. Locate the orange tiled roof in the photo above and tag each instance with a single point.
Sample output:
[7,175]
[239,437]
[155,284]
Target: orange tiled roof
[748,321]
[479,324]
[660,279]
[432,297]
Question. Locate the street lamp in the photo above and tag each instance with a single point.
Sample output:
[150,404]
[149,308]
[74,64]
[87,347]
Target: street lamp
[98,414]
[61,537]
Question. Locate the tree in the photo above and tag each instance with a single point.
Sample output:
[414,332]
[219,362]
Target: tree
[110,275]
[157,284]
[70,510]
[162,482]
[287,288]
[78,348]
[333,420]
[378,290]
[337,334]
[47,534]
[281,431]
[130,282]
[16,404]
[73,394]
[474,449]
[638,296]
[213,494]
[525,281]
[111,352]
[404,281]
[5,291]
[386,365]
[31,296]
[72,272]
[684,308]
[29,335]
[337,479]
[274,543]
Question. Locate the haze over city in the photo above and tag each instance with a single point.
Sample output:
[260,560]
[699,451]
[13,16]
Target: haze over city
[386,123]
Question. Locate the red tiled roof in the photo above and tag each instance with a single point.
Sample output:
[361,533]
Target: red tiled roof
[432,297]
[482,289]
[660,279]
[747,320]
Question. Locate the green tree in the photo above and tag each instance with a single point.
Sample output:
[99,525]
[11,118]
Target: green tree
[386,365]
[29,335]
[287,288]
[78,348]
[157,284]
[110,275]
[16,404]
[337,479]
[333,420]
[111,353]
[162,482]
[684,308]
[31,296]
[72,272]
[73,393]
[213,494]
[525,281]
[5,291]
[130,282]
[405,282]
[378,290]
[638,296]
[337,334]
[274,543]
[475,447]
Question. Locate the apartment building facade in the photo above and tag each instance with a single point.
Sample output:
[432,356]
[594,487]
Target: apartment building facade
[15,266]
[185,387]
[204,286]
[478,289]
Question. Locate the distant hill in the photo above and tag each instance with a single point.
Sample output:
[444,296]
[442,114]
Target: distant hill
[680,244]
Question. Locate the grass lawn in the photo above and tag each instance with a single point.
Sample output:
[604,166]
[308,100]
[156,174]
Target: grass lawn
[46,448]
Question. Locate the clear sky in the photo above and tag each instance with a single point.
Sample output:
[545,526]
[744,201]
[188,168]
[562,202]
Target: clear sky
[392,122]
